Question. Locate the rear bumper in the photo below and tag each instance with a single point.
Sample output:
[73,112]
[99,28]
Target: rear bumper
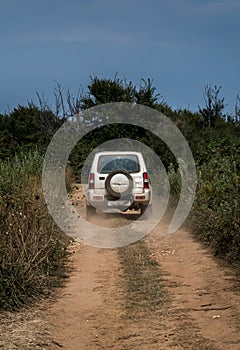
[101,201]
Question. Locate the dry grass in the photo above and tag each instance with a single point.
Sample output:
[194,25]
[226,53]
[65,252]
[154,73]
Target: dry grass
[33,249]
[142,279]
[24,330]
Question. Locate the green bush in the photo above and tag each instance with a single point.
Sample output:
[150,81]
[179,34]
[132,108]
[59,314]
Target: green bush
[216,212]
[33,249]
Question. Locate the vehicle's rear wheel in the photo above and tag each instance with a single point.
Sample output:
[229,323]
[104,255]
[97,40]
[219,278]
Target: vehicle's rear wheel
[90,212]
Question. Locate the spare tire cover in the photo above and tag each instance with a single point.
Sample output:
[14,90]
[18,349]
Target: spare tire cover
[119,183]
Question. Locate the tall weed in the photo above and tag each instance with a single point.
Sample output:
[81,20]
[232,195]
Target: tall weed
[33,249]
[216,213]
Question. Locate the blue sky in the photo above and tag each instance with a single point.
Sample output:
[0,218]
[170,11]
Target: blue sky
[181,44]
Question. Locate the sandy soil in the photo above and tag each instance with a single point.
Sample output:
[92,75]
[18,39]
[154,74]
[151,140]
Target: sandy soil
[201,309]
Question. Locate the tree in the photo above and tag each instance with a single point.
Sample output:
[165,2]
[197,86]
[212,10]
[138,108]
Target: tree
[107,90]
[26,127]
[237,110]
[214,106]
[146,94]
[102,91]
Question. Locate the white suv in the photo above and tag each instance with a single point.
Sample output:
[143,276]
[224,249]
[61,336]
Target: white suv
[118,181]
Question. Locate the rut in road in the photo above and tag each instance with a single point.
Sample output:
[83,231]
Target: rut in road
[164,292]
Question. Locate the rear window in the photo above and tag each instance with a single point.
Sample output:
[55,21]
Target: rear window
[109,163]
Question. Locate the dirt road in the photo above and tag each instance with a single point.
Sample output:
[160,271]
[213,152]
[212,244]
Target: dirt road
[163,292]
[177,297]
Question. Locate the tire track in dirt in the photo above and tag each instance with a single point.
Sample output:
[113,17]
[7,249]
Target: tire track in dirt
[208,293]
[83,313]
[93,310]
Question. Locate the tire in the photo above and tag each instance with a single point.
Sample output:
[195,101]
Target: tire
[113,193]
[90,212]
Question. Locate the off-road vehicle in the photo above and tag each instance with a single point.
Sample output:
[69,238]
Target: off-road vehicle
[118,181]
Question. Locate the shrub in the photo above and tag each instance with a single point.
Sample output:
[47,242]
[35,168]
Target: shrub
[216,213]
[33,249]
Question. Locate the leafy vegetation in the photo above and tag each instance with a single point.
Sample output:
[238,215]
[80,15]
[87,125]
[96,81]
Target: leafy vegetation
[26,127]
[216,213]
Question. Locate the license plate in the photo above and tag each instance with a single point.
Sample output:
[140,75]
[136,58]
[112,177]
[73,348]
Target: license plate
[120,203]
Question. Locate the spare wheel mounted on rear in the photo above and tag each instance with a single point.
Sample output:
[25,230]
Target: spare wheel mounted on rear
[119,184]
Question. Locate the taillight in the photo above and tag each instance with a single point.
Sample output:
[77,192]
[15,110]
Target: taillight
[91,181]
[145,180]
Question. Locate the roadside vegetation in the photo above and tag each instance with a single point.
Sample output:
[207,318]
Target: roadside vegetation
[34,250]
[216,213]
